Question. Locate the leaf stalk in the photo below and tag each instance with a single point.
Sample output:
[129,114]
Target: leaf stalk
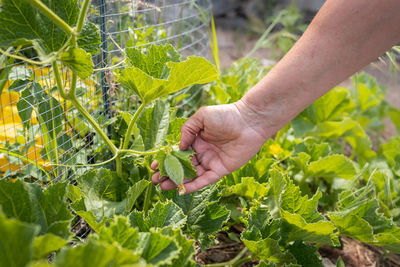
[131,125]
[94,124]
[53,16]
[82,15]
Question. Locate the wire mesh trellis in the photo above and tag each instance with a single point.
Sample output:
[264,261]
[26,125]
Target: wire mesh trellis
[29,143]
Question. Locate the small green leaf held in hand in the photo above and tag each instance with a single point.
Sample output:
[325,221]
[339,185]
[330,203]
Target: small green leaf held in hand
[174,169]
[176,165]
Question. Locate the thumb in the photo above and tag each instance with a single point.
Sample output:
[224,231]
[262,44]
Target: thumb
[191,128]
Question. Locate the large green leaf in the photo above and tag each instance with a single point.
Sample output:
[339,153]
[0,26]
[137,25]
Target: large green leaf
[45,244]
[335,116]
[16,242]
[104,193]
[194,70]
[187,249]
[134,193]
[29,203]
[156,247]
[248,188]
[358,216]
[205,216]
[97,254]
[331,107]
[302,221]
[154,61]
[306,255]
[334,166]
[268,249]
[120,232]
[79,61]
[321,232]
[162,215]
[261,225]
[22,23]
[153,124]
[89,39]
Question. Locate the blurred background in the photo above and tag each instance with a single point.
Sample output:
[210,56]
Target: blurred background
[241,23]
[267,29]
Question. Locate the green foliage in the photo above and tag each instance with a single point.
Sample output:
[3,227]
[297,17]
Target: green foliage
[176,165]
[149,85]
[96,254]
[359,215]
[103,194]
[45,244]
[79,61]
[29,203]
[204,215]
[248,188]
[162,215]
[320,177]
[23,24]
[16,242]
[153,125]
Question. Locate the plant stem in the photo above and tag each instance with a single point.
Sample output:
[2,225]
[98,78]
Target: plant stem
[72,88]
[53,16]
[33,62]
[265,35]
[82,16]
[94,124]
[241,261]
[57,76]
[130,151]
[131,125]
[84,165]
[233,262]
[147,198]
[118,166]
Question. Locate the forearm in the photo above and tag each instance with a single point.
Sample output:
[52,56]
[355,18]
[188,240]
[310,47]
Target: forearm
[344,36]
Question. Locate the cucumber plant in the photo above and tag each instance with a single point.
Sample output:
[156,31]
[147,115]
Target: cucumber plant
[60,35]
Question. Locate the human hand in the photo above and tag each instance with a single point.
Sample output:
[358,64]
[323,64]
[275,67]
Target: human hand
[224,137]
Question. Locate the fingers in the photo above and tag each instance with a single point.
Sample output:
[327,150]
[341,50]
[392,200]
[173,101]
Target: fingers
[206,178]
[209,177]
[191,128]
[167,184]
[155,178]
[154,165]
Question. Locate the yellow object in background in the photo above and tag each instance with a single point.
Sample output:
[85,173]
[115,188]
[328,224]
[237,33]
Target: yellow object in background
[11,125]
[275,149]
[10,128]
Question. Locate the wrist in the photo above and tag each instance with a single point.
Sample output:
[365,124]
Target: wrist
[265,121]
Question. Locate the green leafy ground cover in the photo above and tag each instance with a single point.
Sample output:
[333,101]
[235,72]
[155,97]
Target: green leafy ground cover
[320,178]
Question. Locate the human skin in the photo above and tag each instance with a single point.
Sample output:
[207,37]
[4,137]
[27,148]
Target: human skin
[344,36]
